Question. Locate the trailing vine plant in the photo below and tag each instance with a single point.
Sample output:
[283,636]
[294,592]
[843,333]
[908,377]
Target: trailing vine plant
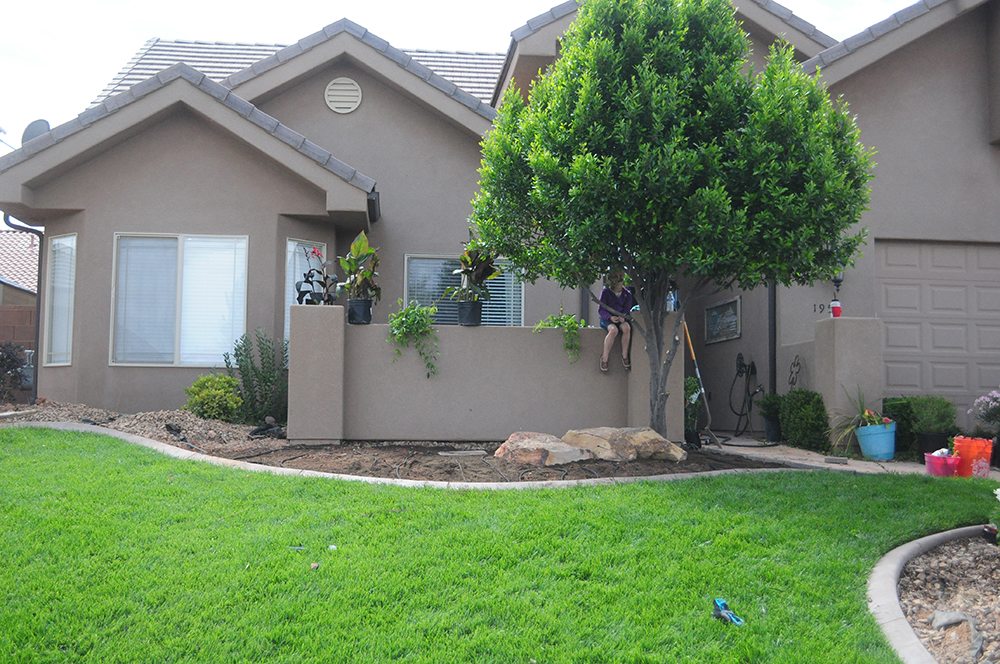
[412,325]
[571,326]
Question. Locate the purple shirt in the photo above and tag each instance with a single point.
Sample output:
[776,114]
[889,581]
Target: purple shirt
[622,303]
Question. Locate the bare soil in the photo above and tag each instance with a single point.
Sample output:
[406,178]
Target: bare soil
[448,462]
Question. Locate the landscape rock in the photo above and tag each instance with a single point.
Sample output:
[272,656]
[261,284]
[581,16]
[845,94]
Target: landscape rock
[627,444]
[539,449]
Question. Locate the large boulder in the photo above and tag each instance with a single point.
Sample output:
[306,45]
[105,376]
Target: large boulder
[539,449]
[629,444]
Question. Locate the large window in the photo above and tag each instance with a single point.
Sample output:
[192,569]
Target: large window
[179,300]
[428,277]
[297,263]
[60,286]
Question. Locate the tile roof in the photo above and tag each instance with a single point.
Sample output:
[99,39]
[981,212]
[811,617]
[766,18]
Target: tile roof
[19,259]
[475,73]
[870,34]
[213,89]
[782,12]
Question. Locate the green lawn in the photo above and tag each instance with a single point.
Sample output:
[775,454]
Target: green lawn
[115,553]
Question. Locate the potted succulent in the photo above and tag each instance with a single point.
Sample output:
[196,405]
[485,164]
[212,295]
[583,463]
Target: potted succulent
[770,411]
[359,280]
[476,267]
[933,422]
[876,433]
[318,286]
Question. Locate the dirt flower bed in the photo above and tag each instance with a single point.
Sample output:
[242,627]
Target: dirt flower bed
[454,462]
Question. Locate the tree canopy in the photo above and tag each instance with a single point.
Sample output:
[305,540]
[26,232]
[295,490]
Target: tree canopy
[651,145]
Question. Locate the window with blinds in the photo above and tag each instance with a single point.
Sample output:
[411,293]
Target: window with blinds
[428,277]
[297,263]
[179,300]
[60,289]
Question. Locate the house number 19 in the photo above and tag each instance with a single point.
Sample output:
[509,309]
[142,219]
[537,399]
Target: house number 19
[820,308]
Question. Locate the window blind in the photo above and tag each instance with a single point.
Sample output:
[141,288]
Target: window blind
[427,279]
[59,300]
[213,297]
[145,300]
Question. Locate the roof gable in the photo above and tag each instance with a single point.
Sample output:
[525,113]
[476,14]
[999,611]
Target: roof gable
[348,39]
[885,37]
[101,126]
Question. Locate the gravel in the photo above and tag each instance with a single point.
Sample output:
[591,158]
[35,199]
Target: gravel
[962,576]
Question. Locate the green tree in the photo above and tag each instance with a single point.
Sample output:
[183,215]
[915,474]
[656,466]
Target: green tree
[650,146]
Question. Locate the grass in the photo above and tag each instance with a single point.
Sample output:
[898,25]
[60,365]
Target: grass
[115,553]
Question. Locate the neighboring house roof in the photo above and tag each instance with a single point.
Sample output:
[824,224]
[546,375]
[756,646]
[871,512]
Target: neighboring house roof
[476,73]
[885,37]
[210,95]
[19,260]
[786,16]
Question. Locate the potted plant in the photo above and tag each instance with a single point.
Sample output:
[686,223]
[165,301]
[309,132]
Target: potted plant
[692,409]
[476,267]
[876,433]
[359,280]
[770,411]
[987,410]
[318,286]
[933,422]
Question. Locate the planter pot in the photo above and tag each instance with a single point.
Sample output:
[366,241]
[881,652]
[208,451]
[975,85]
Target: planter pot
[772,429]
[470,314]
[931,442]
[878,441]
[359,312]
[940,466]
[974,454]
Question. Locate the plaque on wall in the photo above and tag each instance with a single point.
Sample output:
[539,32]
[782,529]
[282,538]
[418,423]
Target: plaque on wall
[722,321]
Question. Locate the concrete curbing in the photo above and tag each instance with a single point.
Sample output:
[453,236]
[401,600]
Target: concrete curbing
[178,453]
[883,596]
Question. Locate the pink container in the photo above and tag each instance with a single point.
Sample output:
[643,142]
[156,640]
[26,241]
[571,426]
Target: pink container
[941,466]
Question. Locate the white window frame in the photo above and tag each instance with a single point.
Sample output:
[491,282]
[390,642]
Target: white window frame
[286,317]
[46,329]
[177,304]
[406,282]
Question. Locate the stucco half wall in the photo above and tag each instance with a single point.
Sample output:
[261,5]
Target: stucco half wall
[346,384]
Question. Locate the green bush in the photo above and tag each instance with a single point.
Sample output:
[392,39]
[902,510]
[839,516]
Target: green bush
[414,325]
[770,406]
[900,409]
[804,422]
[933,414]
[214,397]
[11,362]
[262,375]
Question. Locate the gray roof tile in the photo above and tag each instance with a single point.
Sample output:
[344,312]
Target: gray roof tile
[855,42]
[215,91]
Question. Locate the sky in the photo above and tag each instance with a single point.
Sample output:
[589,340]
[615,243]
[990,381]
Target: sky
[55,57]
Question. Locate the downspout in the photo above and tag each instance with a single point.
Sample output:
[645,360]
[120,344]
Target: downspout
[38,299]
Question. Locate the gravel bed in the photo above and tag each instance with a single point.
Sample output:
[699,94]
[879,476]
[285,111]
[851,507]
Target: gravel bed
[962,576]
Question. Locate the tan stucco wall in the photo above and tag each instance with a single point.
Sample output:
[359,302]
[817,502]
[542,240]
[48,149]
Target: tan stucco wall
[490,382]
[180,176]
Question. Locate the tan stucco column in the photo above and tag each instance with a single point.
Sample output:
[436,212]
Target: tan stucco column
[316,374]
[848,355]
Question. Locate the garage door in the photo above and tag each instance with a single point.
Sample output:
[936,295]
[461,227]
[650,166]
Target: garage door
[940,303]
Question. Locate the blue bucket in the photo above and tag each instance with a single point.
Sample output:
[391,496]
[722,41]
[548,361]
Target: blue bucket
[878,441]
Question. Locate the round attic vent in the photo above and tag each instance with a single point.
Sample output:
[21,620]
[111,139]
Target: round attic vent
[343,95]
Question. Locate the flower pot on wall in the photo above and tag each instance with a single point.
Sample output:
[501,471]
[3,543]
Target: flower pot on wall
[878,441]
[359,312]
[470,314]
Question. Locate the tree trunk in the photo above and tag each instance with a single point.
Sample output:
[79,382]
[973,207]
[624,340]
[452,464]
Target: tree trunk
[661,347]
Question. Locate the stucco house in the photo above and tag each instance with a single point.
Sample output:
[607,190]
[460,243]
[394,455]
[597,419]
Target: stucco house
[176,207]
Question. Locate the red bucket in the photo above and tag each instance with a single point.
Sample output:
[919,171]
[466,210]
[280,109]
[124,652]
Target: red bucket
[941,466]
[975,456]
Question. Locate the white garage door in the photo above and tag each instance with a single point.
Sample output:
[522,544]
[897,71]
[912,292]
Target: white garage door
[940,303]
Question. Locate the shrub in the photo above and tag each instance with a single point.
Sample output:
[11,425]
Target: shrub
[692,407]
[11,362]
[413,325]
[214,397]
[804,422]
[262,375]
[933,414]
[900,409]
[570,326]
[770,406]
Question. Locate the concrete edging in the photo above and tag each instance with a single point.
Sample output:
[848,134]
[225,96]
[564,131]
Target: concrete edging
[883,595]
[178,453]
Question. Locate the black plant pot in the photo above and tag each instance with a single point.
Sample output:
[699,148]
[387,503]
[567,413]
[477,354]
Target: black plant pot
[470,314]
[359,312]
[931,442]
[772,429]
